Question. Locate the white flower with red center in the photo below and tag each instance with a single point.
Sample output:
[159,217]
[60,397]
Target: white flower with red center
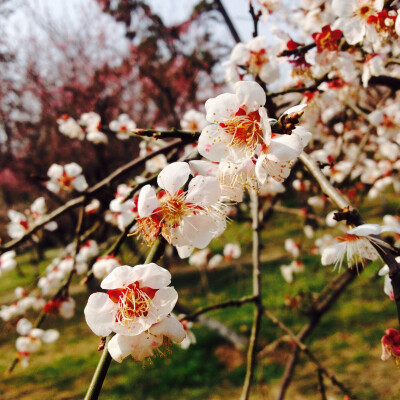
[232,251]
[292,247]
[32,339]
[187,219]
[278,153]
[38,210]
[69,127]
[147,344]
[68,177]
[123,125]
[124,210]
[193,121]
[7,261]
[19,224]
[200,258]
[105,265]
[240,124]
[256,59]
[353,17]
[92,122]
[391,346]
[356,245]
[63,306]
[137,297]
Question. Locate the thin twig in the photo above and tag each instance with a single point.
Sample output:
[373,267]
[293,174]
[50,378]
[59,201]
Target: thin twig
[309,353]
[230,303]
[251,352]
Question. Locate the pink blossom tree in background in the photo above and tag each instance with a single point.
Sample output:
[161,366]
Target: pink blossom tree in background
[123,137]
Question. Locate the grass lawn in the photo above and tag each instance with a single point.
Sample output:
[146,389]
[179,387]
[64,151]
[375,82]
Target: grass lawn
[347,340]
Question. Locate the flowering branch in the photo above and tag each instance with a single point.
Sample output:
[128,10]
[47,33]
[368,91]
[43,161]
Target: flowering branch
[106,182]
[105,359]
[172,133]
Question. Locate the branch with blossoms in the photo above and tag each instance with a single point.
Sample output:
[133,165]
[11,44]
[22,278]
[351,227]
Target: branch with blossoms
[247,156]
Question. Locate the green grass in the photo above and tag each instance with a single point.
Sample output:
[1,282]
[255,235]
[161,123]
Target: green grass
[347,340]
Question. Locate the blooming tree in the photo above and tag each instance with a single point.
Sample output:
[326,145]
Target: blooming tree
[327,138]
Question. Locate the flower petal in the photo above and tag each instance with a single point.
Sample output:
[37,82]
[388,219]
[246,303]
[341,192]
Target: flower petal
[100,314]
[173,177]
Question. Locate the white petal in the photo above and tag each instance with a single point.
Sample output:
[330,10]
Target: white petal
[213,143]
[50,336]
[250,94]
[203,191]
[147,201]
[169,327]
[152,275]
[164,301]
[331,254]
[354,31]
[221,108]
[100,314]
[55,171]
[24,326]
[295,109]
[73,169]
[284,148]
[80,183]
[173,177]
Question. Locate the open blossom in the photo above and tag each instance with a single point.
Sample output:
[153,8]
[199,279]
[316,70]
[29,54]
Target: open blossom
[256,58]
[123,125]
[20,222]
[63,306]
[104,266]
[232,251]
[68,177]
[239,123]
[92,122]
[188,219]
[137,297]
[7,261]
[193,121]
[353,17]
[69,127]
[32,339]
[144,345]
[356,245]
[391,346]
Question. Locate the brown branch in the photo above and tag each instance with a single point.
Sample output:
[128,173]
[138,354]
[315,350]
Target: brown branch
[309,353]
[219,6]
[230,303]
[325,302]
[298,51]
[255,17]
[257,285]
[106,182]
[391,82]
[172,133]
[321,385]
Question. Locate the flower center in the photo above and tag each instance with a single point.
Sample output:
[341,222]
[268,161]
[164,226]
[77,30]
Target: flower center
[365,11]
[65,181]
[348,237]
[133,302]
[174,208]
[245,128]
[256,61]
